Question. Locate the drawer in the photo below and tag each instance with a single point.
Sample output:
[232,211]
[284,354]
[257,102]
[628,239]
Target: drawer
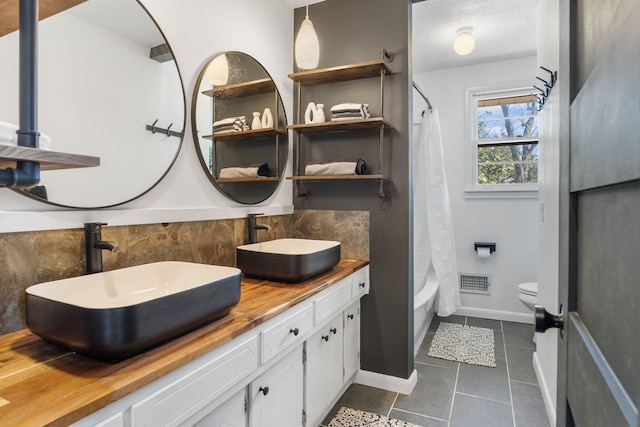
[179,400]
[286,332]
[360,284]
[337,297]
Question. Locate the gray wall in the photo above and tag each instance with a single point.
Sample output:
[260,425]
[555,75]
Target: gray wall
[352,31]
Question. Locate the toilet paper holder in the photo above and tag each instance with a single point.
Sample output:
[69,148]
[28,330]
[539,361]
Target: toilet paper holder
[490,245]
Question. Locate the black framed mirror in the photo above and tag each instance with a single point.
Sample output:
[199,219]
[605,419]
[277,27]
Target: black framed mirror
[240,127]
[108,86]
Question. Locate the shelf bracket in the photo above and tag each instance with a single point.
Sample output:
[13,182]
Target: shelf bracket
[382,193]
[27,174]
[301,192]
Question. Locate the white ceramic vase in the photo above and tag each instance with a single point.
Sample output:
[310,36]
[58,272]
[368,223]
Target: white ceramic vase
[256,123]
[319,116]
[267,119]
[310,113]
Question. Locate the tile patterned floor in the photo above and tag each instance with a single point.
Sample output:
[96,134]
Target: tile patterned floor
[452,394]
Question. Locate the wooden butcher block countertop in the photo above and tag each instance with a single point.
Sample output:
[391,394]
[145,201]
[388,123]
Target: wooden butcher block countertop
[43,384]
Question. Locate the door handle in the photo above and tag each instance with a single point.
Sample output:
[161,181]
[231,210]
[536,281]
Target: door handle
[546,320]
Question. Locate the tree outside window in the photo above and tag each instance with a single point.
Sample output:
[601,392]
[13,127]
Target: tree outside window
[505,141]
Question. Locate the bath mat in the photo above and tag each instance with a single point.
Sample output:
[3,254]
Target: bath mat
[347,417]
[467,344]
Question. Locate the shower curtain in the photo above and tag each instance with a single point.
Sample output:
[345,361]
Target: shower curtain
[434,249]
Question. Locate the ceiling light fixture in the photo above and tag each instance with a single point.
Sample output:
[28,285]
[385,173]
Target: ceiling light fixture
[465,42]
[307,47]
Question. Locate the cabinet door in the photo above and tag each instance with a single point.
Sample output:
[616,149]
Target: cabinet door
[323,375]
[276,395]
[230,414]
[351,341]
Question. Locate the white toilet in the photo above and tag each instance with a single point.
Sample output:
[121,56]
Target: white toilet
[528,294]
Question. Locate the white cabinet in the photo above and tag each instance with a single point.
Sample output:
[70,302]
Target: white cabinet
[176,402]
[232,413]
[276,395]
[351,318]
[262,367]
[286,332]
[323,370]
[360,283]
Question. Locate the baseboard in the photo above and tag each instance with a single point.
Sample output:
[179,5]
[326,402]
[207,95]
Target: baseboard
[485,313]
[544,388]
[387,382]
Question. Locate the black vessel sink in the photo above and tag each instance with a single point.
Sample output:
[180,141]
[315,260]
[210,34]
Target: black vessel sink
[287,260]
[117,314]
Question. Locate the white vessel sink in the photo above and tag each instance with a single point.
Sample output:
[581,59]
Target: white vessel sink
[117,314]
[288,260]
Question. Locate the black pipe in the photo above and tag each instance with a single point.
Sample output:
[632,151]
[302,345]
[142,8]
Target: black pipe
[27,174]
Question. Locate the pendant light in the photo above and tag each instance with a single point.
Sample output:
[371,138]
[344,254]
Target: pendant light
[218,71]
[464,43]
[307,47]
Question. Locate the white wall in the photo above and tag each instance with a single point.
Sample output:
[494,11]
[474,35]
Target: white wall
[197,30]
[510,223]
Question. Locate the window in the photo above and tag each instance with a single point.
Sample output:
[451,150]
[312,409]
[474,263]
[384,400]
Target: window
[503,148]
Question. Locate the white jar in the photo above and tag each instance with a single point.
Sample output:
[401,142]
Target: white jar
[256,123]
[319,116]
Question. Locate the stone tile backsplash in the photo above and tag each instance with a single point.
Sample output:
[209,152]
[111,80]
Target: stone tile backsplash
[33,257]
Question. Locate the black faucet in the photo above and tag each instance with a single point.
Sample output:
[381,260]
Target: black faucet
[94,245]
[252,227]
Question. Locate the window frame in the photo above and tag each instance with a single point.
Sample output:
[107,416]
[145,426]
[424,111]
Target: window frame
[471,143]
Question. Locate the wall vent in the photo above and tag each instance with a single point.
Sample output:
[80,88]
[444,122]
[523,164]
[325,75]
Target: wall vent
[475,283]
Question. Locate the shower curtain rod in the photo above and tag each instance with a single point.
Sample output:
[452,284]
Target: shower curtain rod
[416,87]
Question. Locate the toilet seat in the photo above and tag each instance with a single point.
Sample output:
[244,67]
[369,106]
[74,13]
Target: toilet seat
[529,288]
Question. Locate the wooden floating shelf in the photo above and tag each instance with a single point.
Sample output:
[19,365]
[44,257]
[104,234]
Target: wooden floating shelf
[255,87]
[247,134]
[10,12]
[49,160]
[360,70]
[339,178]
[342,125]
[239,180]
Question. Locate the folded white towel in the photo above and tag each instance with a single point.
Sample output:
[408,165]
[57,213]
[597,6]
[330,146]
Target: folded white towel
[336,168]
[349,106]
[44,142]
[230,121]
[8,136]
[8,133]
[239,172]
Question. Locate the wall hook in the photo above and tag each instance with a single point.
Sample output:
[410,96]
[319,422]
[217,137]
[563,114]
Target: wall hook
[166,131]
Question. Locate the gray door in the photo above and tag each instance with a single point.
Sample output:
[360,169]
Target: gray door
[599,348]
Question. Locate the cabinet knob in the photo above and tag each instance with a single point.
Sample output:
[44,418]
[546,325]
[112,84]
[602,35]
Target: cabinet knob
[333,331]
[325,337]
[362,284]
[294,331]
[350,316]
[263,390]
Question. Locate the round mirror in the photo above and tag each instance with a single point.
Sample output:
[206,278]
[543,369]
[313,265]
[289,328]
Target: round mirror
[108,86]
[240,127]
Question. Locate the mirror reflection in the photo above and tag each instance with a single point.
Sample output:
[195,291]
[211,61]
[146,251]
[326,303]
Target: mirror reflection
[105,75]
[239,126]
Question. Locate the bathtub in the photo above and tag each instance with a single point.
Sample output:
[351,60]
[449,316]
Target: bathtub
[424,309]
